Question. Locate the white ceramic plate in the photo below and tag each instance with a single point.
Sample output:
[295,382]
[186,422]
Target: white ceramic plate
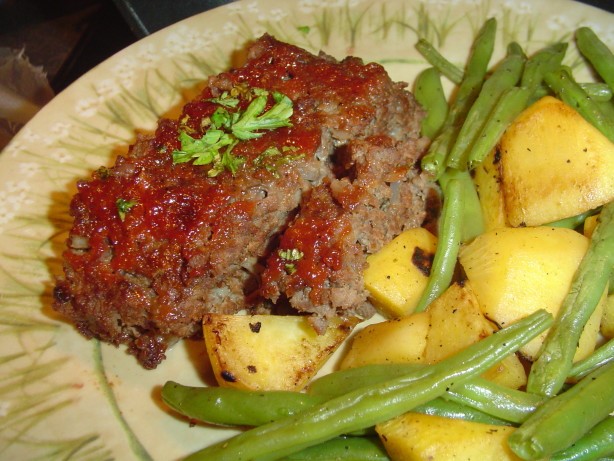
[63,397]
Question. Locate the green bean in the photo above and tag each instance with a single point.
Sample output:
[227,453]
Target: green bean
[505,76]
[573,221]
[479,58]
[498,401]
[564,419]
[598,54]
[478,393]
[508,107]
[234,407]
[343,448]
[598,442]
[607,108]
[370,405]
[515,48]
[604,354]
[430,95]
[444,261]
[343,381]
[550,370]
[237,407]
[472,218]
[434,162]
[442,406]
[566,88]
[539,92]
[544,61]
[439,62]
[597,91]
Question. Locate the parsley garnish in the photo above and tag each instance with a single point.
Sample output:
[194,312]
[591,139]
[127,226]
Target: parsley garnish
[227,128]
[250,123]
[293,254]
[273,158]
[225,100]
[204,150]
[123,206]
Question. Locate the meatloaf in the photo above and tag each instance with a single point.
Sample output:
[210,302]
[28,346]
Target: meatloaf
[201,216]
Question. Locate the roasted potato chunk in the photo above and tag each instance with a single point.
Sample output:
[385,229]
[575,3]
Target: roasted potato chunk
[554,165]
[418,437]
[398,273]
[487,179]
[269,352]
[457,321]
[515,271]
[607,319]
[393,341]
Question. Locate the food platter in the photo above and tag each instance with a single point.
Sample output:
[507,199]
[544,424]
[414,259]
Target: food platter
[63,397]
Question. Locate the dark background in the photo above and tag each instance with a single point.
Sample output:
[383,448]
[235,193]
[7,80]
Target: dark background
[69,37]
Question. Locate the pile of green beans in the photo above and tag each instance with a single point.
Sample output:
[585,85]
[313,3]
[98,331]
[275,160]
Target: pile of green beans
[578,414]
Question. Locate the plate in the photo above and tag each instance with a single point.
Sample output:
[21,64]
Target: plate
[64,397]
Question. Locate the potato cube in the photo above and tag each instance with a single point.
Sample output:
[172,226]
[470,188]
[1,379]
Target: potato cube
[398,273]
[590,224]
[456,322]
[269,352]
[591,334]
[392,341]
[515,271]
[487,179]
[418,437]
[554,165]
[509,372]
[607,318]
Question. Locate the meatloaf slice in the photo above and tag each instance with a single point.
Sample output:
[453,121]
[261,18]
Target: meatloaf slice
[156,242]
[318,264]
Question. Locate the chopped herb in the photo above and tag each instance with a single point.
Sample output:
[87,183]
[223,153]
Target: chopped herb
[272,158]
[253,120]
[303,29]
[221,119]
[228,162]
[204,150]
[290,268]
[292,254]
[226,129]
[225,100]
[123,206]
